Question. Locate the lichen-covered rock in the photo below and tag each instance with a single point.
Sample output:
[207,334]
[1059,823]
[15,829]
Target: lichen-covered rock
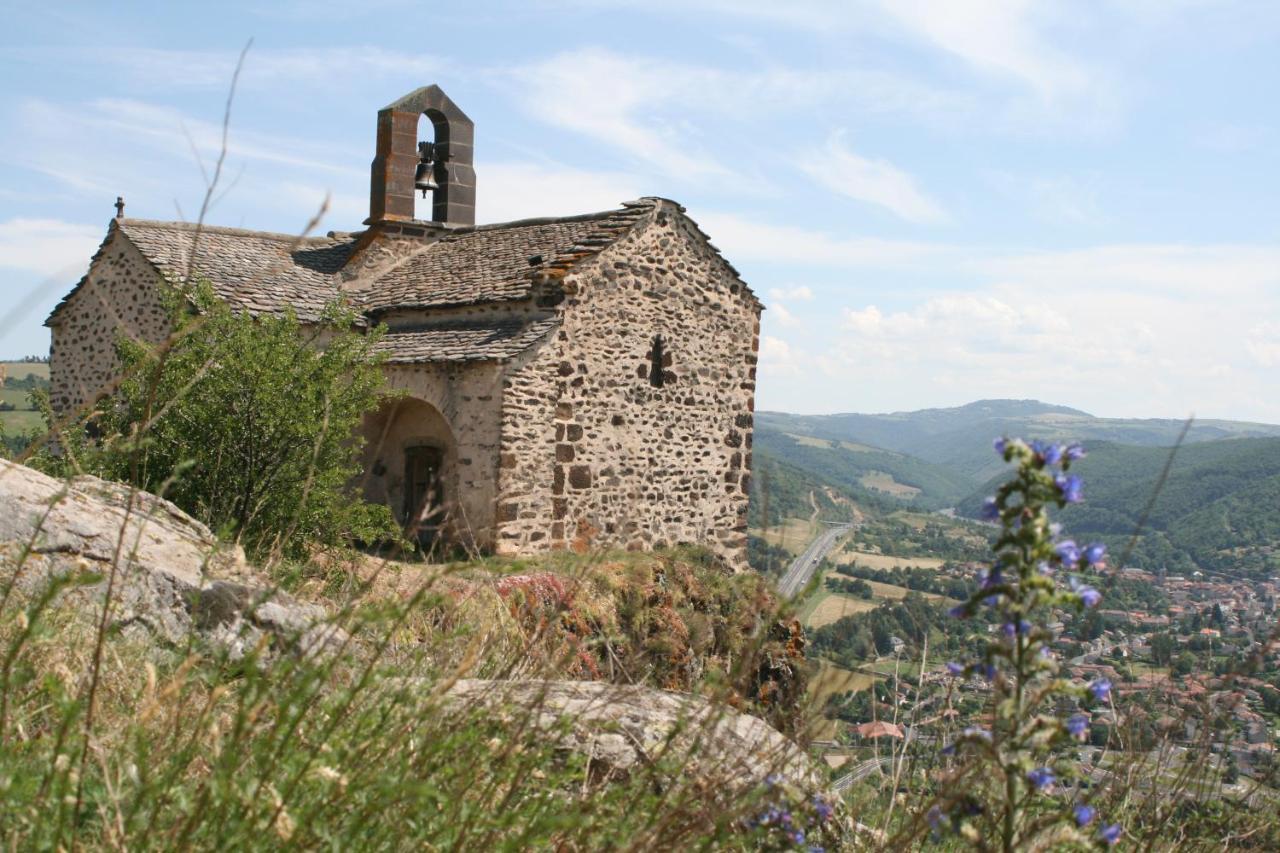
[619,727]
[171,575]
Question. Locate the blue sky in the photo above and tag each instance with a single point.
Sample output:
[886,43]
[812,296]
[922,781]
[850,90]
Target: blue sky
[938,200]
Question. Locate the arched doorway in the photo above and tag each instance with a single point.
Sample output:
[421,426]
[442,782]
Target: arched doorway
[410,466]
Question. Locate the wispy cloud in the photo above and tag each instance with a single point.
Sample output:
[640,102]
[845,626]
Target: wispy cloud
[843,171]
[662,112]
[308,66]
[47,247]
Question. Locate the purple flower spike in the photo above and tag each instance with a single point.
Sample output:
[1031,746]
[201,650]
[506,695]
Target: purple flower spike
[1110,834]
[1071,487]
[1101,689]
[1000,444]
[1074,451]
[988,671]
[1077,725]
[990,510]
[1068,552]
[1041,778]
[1085,814]
[955,669]
[1095,553]
[1052,454]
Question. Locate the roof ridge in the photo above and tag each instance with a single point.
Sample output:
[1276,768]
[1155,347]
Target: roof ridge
[628,210]
[193,227]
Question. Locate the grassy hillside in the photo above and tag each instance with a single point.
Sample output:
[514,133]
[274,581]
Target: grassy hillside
[870,473]
[1216,512]
[960,437]
[17,415]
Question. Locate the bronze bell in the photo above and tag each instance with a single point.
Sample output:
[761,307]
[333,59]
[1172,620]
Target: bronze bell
[424,176]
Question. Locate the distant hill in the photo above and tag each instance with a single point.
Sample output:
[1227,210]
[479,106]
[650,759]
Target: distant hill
[1219,510]
[866,472]
[960,437]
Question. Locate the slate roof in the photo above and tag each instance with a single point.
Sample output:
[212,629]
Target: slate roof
[255,271]
[492,263]
[463,341]
[260,272]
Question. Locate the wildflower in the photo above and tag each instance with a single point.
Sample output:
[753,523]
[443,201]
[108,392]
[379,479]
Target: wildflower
[1071,487]
[1044,568]
[1068,552]
[1022,628]
[1084,814]
[992,578]
[1077,725]
[1110,834]
[1051,453]
[1074,451]
[797,837]
[823,809]
[773,779]
[1095,553]
[1101,689]
[990,509]
[935,818]
[1041,778]
[1001,445]
[977,733]
[785,818]
[955,669]
[988,671]
[958,612]
[1088,594]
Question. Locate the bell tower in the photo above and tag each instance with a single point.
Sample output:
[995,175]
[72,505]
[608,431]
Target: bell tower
[444,168]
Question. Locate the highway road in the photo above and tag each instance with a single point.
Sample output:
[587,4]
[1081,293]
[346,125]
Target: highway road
[799,572]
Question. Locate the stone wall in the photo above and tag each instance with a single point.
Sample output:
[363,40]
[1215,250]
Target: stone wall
[119,295]
[594,454]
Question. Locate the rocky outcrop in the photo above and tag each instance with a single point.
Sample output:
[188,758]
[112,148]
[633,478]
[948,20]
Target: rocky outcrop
[622,727]
[171,575]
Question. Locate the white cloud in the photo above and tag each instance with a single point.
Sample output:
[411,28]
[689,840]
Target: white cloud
[656,110]
[1263,344]
[514,190]
[997,36]
[779,312]
[798,293]
[47,247]
[314,66]
[777,358]
[878,182]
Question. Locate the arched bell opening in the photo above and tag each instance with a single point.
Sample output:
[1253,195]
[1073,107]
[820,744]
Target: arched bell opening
[410,464]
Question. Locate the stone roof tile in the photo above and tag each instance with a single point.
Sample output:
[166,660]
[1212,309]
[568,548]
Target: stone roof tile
[494,263]
[253,270]
[463,341]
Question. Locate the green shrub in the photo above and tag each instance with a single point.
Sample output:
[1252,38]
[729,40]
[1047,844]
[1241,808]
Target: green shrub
[248,423]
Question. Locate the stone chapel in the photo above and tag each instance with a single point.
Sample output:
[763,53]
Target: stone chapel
[569,382]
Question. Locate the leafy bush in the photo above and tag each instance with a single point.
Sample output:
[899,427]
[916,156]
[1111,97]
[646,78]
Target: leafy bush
[248,423]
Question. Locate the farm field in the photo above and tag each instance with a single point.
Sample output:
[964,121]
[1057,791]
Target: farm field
[827,609]
[880,481]
[19,369]
[22,418]
[793,535]
[886,561]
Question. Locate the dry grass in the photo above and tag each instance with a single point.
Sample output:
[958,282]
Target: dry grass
[836,606]
[793,535]
[887,561]
[883,482]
